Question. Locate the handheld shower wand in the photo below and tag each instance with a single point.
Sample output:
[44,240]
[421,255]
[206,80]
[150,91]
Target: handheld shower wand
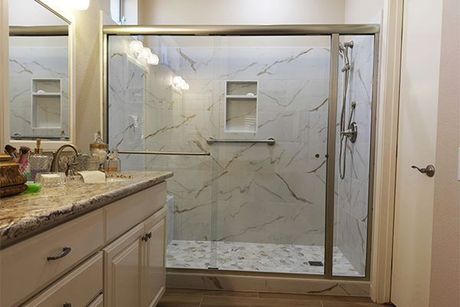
[350,131]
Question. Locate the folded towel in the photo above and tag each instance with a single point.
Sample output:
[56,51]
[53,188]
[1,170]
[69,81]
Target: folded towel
[92,176]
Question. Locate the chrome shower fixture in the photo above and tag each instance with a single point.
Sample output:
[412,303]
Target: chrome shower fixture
[343,50]
[348,132]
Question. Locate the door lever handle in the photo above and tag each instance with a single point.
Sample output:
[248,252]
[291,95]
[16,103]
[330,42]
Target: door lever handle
[430,170]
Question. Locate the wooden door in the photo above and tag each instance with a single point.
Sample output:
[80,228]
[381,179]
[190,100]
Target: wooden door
[416,147]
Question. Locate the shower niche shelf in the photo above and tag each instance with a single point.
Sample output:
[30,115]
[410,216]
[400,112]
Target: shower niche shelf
[46,103]
[241,106]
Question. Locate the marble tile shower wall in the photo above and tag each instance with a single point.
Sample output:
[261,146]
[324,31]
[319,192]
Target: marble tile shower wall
[351,205]
[32,60]
[127,87]
[254,192]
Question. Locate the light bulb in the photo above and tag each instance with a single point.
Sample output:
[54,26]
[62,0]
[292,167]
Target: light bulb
[153,59]
[177,81]
[145,53]
[135,46]
[186,87]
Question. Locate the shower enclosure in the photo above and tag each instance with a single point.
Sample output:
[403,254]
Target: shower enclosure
[269,133]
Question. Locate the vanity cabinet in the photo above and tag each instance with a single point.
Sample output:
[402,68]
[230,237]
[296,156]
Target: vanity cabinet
[98,259]
[134,265]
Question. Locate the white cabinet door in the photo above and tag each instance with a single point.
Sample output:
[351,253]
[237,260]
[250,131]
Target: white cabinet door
[153,272]
[122,270]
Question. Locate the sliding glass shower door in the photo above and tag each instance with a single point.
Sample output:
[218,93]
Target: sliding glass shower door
[270,198]
[245,124]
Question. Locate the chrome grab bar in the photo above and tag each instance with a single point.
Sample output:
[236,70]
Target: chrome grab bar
[270,141]
[163,153]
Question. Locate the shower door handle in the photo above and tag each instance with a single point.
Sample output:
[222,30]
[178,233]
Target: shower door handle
[430,170]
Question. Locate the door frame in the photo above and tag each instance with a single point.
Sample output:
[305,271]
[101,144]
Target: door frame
[386,114]
[386,151]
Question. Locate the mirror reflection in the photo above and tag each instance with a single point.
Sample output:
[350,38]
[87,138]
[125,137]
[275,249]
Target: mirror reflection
[39,100]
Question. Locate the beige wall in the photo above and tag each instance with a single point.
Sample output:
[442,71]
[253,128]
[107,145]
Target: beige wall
[89,71]
[3,68]
[225,12]
[363,11]
[445,270]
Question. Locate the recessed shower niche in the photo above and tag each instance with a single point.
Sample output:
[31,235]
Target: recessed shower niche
[46,103]
[241,106]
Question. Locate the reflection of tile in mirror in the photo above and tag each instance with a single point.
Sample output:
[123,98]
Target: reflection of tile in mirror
[47,112]
[47,86]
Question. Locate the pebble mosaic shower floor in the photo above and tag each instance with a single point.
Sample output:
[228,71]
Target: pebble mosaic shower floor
[241,256]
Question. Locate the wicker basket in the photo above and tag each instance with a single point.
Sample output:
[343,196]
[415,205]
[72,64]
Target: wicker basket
[11,180]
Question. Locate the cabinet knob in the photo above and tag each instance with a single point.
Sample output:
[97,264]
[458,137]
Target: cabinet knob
[67,305]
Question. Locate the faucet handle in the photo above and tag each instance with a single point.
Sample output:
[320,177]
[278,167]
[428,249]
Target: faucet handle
[70,168]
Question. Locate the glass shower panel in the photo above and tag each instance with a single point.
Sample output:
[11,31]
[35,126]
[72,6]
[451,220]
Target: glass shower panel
[354,110]
[152,110]
[270,199]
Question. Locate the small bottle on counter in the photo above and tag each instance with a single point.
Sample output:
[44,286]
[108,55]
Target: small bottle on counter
[98,151]
[113,163]
[39,162]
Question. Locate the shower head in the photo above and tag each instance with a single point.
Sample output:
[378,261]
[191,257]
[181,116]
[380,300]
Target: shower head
[349,44]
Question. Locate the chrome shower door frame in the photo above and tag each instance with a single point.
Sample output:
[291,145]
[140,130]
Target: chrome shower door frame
[334,31]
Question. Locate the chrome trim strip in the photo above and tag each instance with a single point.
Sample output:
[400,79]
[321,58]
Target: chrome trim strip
[163,153]
[249,30]
[370,202]
[39,30]
[330,168]
[269,141]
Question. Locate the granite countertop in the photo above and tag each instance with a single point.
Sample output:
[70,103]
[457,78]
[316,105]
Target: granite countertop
[24,215]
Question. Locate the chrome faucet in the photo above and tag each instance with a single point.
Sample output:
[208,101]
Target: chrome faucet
[57,157]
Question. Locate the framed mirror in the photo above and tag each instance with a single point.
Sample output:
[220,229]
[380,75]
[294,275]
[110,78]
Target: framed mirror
[40,91]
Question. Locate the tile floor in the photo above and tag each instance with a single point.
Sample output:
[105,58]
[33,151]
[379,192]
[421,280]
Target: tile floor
[240,256]
[203,298]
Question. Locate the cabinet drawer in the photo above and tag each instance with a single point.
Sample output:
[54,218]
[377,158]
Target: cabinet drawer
[78,288]
[125,213]
[29,266]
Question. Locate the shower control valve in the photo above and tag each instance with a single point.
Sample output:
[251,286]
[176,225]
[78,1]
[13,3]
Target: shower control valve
[351,132]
